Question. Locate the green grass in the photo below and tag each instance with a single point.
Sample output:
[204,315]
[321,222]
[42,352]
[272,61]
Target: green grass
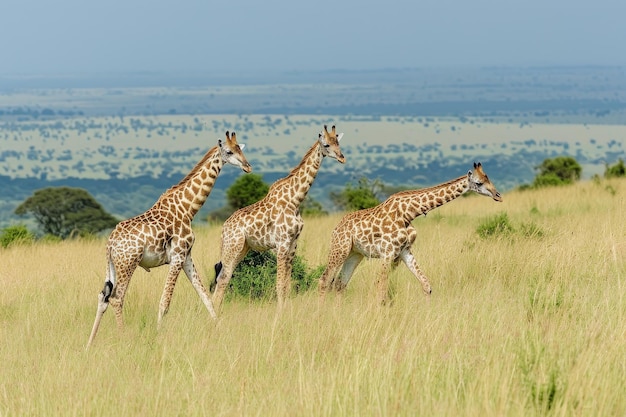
[519,324]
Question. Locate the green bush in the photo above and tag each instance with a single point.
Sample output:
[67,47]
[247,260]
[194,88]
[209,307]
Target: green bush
[495,226]
[557,171]
[15,235]
[500,225]
[615,171]
[255,277]
[357,197]
[548,180]
[246,190]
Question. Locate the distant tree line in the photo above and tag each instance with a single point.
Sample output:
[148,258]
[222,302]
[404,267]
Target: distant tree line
[35,113]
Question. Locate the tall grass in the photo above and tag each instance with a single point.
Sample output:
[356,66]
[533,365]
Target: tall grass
[519,324]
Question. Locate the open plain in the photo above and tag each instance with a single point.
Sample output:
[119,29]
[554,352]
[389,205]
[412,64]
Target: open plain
[529,322]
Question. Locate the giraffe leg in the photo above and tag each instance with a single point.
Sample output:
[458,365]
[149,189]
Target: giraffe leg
[284,260]
[224,272]
[194,277]
[337,255]
[124,274]
[326,279]
[409,260]
[347,270]
[103,303]
[168,290]
[119,271]
[382,283]
[233,249]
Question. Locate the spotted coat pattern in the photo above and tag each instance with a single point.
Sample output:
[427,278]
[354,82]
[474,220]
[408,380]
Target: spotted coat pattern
[163,235]
[274,222]
[386,232]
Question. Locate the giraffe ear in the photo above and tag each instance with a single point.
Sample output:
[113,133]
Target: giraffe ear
[339,136]
[242,145]
[469,174]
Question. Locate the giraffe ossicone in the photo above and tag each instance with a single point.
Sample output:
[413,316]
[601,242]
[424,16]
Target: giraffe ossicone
[385,231]
[274,223]
[163,235]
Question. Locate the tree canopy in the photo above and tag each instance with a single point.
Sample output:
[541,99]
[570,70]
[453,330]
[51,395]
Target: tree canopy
[246,190]
[65,211]
[360,196]
[615,171]
[558,171]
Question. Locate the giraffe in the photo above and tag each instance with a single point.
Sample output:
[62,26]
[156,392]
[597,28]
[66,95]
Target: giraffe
[275,221]
[163,235]
[386,232]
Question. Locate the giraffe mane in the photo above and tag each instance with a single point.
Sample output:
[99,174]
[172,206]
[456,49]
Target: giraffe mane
[210,154]
[278,183]
[434,187]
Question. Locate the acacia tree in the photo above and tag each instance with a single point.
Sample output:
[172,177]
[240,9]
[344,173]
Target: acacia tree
[64,211]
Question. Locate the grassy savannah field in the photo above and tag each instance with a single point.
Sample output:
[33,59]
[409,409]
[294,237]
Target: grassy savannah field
[529,322]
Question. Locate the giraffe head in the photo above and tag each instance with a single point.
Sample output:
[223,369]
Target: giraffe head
[479,182]
[232,152]
[330,144]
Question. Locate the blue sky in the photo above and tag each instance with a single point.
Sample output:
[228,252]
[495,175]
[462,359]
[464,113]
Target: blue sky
[91,36]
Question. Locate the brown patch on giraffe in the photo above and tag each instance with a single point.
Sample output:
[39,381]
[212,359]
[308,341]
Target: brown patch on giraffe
[275,221]
[352,237]
[163,235]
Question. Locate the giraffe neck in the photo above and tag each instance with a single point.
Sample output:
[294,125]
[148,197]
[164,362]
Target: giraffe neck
[414,203]
[294,188]
[188,196]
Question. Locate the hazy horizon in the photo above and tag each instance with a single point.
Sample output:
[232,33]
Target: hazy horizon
[71,36]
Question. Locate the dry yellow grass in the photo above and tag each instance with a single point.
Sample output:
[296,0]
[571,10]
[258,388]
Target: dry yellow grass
[517,325]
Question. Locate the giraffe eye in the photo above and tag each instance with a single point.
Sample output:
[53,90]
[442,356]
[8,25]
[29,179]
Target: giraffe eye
[326,145]
[229,152]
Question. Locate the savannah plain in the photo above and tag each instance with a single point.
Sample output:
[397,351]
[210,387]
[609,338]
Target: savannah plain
[524,322]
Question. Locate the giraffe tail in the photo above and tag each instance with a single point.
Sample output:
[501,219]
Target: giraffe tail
[218,270]
[103,300]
